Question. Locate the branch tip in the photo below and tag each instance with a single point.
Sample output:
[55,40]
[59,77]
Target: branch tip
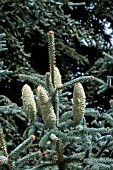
[33,137]
[92,77]
[51,32]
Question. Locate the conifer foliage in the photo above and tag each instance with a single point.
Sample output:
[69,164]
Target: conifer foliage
[59,133]
[81,29]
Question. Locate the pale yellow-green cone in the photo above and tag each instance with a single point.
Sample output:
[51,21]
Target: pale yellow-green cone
[29,105]
[79,104]
[57,78]
[47,111]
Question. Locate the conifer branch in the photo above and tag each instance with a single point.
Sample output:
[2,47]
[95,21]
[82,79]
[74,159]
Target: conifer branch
[60,155]
[3,42]
[3,145]
[52,58]
[22,146]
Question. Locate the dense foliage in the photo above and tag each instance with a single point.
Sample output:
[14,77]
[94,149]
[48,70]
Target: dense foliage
[80,34]
[83,47]
[50,131]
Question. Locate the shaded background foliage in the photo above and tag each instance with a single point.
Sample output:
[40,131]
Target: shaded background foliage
[80,39]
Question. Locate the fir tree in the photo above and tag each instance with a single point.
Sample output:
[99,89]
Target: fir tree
[59,134]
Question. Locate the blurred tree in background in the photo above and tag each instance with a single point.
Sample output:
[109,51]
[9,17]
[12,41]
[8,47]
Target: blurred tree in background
[81,38]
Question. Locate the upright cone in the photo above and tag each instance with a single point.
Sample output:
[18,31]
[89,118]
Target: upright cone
[79,99]
[47,111]
[29,105]
[57,78]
